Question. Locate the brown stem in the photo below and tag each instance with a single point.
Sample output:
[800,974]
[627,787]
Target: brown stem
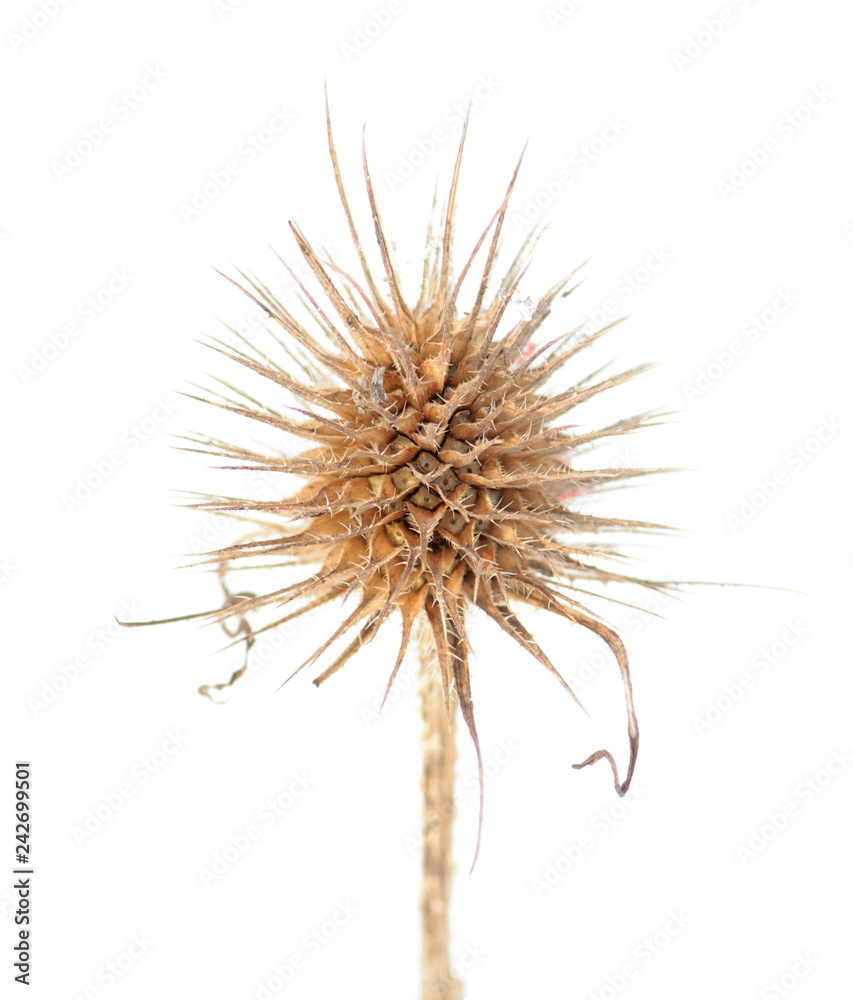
[439,983]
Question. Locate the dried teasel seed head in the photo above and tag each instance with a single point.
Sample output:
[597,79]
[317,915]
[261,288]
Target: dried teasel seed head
[437,476]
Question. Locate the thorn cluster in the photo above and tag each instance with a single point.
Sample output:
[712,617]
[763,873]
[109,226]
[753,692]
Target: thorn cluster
[437,477]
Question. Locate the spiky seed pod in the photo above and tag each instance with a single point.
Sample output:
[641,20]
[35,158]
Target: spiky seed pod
[437,476]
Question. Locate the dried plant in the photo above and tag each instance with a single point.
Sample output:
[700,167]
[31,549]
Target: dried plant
[437,477]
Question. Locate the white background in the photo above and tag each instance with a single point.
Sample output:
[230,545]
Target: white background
[691,104]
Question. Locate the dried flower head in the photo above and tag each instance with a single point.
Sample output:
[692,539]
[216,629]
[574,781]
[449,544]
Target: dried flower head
[437,476]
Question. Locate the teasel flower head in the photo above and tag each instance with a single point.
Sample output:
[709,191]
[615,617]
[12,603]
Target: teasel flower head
[438,471]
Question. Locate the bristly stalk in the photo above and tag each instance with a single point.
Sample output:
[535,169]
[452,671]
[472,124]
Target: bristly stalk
[439,736]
